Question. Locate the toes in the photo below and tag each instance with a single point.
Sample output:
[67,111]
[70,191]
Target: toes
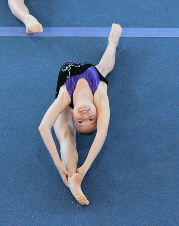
[40,29]
[85,200]
[36,28]
[32,25]
[31,29]
[29,32]
[82,200]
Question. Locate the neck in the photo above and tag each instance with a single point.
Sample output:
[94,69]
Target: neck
[82,94]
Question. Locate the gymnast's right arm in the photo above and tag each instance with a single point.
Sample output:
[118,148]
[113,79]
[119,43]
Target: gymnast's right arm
[59,105]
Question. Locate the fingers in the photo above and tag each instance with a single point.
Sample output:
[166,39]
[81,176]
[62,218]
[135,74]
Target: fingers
[65,180]
[62,168]
[66,172]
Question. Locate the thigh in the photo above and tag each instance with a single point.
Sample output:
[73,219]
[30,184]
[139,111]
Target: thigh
[102,69]
[64,128]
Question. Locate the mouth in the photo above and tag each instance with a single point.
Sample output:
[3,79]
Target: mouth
[83,110]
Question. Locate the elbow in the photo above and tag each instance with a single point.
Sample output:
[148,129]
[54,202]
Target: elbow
[103,133]
[41,127]
[44,127]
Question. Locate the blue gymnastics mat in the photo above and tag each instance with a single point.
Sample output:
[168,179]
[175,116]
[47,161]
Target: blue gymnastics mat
[134,180]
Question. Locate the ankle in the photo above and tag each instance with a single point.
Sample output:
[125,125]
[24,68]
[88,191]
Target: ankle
[26,19]
[113,42]
[69,178]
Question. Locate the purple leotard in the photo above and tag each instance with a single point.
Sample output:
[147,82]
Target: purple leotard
[91,77]
[71,72]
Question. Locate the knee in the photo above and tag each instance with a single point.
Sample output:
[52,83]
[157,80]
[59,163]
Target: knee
[69,135]
[68,150]
[67,138]
[105,69]
[65,133]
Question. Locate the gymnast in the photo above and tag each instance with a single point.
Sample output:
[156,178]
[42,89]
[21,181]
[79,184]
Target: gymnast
[20,10]
[81,105]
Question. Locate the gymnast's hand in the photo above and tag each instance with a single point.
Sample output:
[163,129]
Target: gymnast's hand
[63,172]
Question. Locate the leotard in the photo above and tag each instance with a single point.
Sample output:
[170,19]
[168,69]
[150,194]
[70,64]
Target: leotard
[71,72]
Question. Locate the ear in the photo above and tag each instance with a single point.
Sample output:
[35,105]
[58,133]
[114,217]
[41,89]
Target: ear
[71,113]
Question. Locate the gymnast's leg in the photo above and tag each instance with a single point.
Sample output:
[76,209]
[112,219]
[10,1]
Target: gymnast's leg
[20,10]
[107,61]
[66,135]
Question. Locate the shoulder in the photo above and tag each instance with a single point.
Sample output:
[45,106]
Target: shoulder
[101,91]
[63,95]
[101,97]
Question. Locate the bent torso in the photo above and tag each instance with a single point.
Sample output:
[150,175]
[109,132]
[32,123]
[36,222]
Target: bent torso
[82,83]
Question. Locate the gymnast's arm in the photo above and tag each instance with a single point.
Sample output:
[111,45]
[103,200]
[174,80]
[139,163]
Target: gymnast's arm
[103,109]
[59,105]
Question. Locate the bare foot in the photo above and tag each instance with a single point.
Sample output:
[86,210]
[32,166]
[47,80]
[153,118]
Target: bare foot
[115,34]
[74,184]
[32,25]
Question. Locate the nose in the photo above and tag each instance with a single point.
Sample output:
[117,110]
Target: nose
[85,116]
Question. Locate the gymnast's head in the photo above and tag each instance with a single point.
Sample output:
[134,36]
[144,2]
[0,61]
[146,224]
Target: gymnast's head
[84,118]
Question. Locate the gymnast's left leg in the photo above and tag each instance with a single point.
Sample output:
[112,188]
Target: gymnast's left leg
[20,10]
[66,135]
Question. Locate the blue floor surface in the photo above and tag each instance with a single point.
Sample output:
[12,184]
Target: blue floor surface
[134,180]
[133,13]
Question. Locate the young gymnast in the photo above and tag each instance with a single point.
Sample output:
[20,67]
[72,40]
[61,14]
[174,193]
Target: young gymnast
[20,10]
[81,105]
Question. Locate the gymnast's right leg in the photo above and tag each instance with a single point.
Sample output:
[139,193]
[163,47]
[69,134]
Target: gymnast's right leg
[107,61]
[20,10]
[66,135]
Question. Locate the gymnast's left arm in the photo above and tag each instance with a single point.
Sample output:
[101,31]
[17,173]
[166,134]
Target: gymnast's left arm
[103,110]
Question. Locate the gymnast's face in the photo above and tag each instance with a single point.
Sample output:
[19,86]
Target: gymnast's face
[85,118]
